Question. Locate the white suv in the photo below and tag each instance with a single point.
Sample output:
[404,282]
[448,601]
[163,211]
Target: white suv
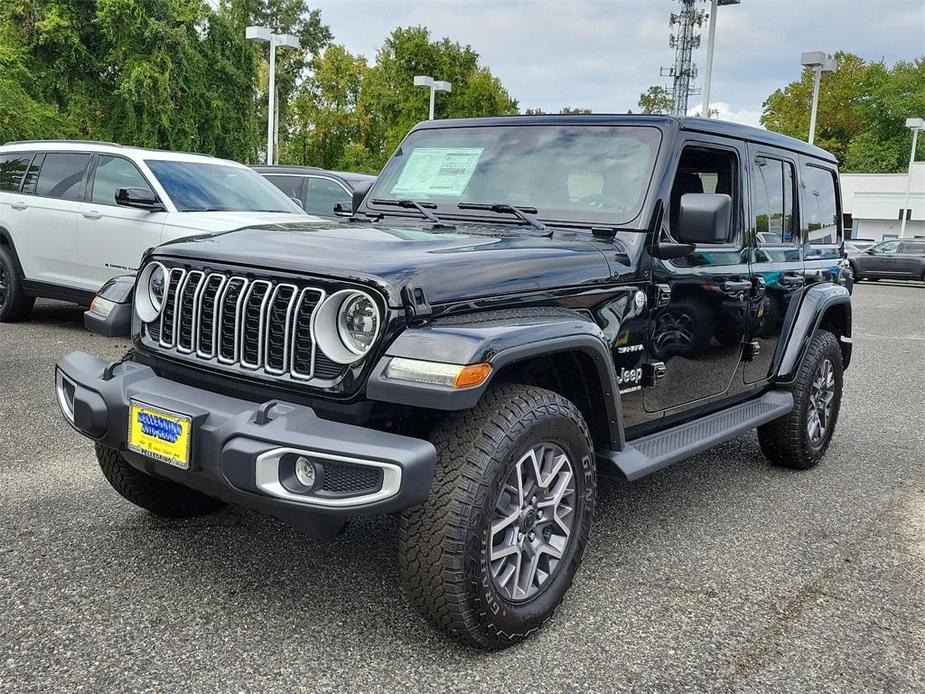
[75,214]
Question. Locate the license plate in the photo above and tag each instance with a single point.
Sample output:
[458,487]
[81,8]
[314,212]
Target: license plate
[159,434]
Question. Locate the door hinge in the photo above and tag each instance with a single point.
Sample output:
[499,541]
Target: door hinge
[653,372]
[752,350]
[662,295]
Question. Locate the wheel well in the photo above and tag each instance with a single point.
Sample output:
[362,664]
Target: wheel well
[572,375]
[837,320]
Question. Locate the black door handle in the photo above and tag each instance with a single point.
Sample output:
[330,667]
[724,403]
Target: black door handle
[736,286]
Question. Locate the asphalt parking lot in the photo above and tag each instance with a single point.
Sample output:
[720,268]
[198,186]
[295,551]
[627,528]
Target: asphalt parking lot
[721,573]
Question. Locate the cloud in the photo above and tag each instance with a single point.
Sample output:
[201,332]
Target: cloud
[603,54]
[726,112]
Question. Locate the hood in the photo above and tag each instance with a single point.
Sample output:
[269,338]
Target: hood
[211,222]
[471,262]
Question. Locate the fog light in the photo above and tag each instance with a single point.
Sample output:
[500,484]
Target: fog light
[305,471]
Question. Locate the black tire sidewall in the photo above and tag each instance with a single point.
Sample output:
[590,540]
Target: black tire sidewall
[499,615]
[833,354]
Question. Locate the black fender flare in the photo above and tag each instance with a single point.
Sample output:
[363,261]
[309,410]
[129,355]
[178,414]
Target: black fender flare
[499,338]
[6,239]
[818,302]
[120,290]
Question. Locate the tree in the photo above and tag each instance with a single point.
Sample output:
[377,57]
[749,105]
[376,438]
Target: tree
[656,100]
[861,113]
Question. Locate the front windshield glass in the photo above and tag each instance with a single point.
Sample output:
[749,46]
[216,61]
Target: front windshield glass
[201,187]
[568,173]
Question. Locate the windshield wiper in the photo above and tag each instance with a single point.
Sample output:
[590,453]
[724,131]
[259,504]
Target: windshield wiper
[413,204]
[524,213]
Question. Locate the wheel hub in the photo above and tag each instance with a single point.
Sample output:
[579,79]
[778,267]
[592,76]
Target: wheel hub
[821,398]
[532,522]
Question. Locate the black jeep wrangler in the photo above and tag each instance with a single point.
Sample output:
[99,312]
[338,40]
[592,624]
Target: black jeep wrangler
[518,305]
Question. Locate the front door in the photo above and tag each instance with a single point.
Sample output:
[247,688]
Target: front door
[700,302]
[776,255]
[879,260]
[112,238]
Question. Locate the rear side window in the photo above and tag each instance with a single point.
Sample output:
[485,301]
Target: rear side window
[13,167]
[820,206]
[62,175]
[113,173]
[913,247]
[323,195]
[772,201]
[290,185]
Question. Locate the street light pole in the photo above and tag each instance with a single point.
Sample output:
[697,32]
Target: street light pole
[915,125]
[434,86]
[820,62]
[711,40]
[264,35]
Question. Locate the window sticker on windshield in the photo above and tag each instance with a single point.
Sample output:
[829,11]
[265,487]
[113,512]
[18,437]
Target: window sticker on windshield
[435,171]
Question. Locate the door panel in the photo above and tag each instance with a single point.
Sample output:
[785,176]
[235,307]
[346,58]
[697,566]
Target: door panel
[879,260]
[112,238]
[699,308]
[910,261]
[776,254]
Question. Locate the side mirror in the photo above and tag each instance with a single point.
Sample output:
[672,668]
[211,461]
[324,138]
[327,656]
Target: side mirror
[343,209]
[871,251]
[704,218]
[359,193]
[141,198]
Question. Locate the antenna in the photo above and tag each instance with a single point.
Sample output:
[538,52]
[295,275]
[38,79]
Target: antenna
[685,29]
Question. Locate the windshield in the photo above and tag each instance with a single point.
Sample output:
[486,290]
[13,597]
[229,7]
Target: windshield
[567,173]
[200,187]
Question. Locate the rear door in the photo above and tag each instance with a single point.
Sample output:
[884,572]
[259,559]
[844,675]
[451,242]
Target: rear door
[47,221]
[776,254]
[910,261]
[111,238]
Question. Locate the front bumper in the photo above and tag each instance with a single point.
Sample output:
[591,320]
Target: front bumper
[237,445]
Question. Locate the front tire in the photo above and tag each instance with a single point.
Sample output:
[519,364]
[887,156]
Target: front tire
[15,305]
[799,439]
[160,497]
[490,554]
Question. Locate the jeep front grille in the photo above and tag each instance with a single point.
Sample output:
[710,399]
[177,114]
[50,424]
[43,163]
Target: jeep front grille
[254,325]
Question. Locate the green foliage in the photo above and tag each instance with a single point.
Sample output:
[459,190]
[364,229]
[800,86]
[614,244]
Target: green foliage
[655,99]
[861,115]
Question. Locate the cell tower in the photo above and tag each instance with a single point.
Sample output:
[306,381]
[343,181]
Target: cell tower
[685,37]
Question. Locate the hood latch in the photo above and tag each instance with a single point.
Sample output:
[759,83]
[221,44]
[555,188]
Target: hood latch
[416,306]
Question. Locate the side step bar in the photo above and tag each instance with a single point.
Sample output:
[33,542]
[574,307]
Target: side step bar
[645,455]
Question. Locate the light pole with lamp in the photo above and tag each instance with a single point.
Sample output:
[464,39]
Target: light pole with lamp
[264,35]
[711,40]
[435,86]
[820,62]
[915,125]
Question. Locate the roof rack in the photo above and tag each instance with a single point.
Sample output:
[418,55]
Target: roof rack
[69,142]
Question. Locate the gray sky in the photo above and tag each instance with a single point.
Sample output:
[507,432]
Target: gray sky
[602,53]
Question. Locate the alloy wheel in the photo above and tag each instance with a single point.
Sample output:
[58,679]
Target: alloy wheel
[821,397]
[532,522]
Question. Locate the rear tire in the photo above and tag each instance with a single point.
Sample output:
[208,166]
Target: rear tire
[15,305]
[477,558]
[799,439]
[160,497]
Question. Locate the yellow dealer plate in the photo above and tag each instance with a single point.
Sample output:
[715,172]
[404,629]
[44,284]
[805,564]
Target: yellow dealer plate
[159,434]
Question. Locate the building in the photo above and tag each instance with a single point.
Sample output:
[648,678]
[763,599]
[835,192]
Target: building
[872,204]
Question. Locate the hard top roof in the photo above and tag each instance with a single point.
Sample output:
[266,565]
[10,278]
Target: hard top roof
[703,125]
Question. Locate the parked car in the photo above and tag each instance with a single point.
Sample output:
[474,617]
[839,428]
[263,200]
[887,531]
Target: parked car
[319,191]
[518,304]
[75,214]
[897,259]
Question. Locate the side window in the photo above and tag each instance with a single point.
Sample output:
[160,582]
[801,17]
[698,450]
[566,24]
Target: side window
[290,185]
[772,201]
[886,247]
[113,173]
[820,206]
[13,168]
[913,248]
[61,175]
[703,169]
[323,194]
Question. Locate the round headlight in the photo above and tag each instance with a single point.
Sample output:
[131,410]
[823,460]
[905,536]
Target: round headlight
[358,323]
[346,325]
[149,292]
